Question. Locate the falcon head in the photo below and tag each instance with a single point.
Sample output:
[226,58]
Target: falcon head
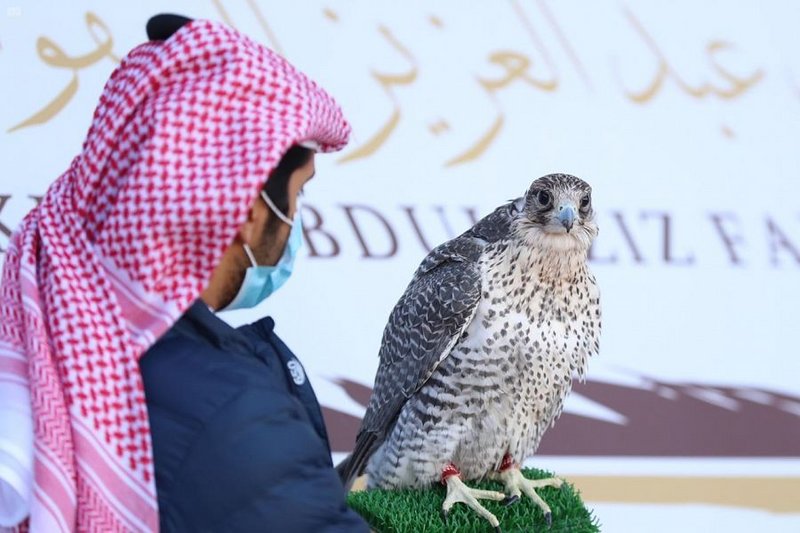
[558,211]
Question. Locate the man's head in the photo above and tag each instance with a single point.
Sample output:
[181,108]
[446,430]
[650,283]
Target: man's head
[264,232]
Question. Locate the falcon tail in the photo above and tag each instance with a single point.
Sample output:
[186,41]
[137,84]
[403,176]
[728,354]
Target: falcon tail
[354,464]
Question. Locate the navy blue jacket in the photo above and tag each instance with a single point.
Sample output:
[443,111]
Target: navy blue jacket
[238,438]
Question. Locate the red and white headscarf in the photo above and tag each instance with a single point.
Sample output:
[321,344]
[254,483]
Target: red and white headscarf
[184,136]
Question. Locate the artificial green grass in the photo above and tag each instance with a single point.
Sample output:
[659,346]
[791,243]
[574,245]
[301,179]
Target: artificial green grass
[417,510]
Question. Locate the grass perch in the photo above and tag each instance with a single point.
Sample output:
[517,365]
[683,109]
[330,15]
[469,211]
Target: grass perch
[418,510]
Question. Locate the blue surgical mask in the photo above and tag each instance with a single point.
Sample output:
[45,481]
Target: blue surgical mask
[261,281]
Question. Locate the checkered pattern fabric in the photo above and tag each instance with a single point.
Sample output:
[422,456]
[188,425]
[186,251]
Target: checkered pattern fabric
[184,136]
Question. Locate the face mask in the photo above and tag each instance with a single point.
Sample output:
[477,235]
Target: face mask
[261,281]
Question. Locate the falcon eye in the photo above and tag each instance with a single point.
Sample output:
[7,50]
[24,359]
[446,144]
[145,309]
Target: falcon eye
[544,198]
[585,201]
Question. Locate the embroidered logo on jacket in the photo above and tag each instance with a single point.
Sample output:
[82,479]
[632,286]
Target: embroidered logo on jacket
[296,370]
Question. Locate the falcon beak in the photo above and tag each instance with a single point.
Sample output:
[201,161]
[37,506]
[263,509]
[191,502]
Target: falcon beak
[566,215]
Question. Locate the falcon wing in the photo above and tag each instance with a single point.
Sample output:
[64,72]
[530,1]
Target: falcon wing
[423,327]
[434,311]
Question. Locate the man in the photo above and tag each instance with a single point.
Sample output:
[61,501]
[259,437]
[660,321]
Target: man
[182,202]
[238,437]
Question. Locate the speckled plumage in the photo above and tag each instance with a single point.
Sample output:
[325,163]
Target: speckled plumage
[480,351]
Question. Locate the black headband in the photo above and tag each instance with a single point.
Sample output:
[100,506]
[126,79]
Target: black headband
[162,26]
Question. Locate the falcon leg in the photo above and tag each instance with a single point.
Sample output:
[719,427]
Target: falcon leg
[516,484]
[457,492]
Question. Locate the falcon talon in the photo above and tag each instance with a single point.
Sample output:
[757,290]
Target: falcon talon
[548,517]
[510,500]
[458,492]
[443,514]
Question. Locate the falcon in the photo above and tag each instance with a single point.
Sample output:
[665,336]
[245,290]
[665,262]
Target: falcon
[480,351]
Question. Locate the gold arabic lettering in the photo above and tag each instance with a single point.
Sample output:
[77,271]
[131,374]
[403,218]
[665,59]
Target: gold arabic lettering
[736,87]
[53,55]
[387,82]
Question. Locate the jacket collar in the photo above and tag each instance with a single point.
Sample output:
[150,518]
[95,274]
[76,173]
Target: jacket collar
[201,322]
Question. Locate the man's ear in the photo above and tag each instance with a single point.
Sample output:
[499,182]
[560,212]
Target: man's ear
[247,231]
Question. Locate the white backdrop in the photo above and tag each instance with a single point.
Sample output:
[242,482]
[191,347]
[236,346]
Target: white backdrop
[685,119]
